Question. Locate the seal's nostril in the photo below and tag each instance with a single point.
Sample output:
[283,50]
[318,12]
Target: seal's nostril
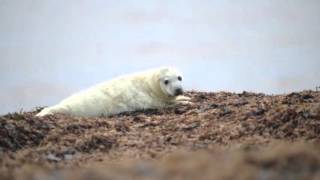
[178,91]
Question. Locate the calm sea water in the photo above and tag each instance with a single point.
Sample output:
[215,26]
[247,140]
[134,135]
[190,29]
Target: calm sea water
[50,49]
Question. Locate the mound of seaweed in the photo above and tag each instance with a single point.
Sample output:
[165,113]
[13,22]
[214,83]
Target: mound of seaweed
[216,121]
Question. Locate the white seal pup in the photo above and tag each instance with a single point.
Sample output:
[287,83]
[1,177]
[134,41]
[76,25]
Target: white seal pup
[151,89]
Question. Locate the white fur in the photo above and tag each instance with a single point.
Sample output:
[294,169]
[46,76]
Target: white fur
[143,90]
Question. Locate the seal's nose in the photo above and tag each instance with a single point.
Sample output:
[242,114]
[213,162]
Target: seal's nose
[178,92]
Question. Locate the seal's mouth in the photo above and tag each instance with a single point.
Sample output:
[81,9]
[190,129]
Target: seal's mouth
[178,92]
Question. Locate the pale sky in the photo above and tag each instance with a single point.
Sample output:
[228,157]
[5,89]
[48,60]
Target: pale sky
[52,48]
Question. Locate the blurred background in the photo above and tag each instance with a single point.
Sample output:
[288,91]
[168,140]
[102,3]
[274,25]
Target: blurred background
[50,49]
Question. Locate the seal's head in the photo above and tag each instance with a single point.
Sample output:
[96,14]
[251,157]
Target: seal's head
[171,82]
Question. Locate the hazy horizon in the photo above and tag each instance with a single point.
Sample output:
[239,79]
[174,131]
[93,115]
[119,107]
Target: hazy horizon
[51,49]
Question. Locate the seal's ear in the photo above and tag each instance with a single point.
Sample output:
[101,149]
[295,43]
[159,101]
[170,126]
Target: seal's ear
[156,78]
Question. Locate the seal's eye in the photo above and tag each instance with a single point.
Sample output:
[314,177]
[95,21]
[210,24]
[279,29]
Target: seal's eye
[166,82]
[179,78]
